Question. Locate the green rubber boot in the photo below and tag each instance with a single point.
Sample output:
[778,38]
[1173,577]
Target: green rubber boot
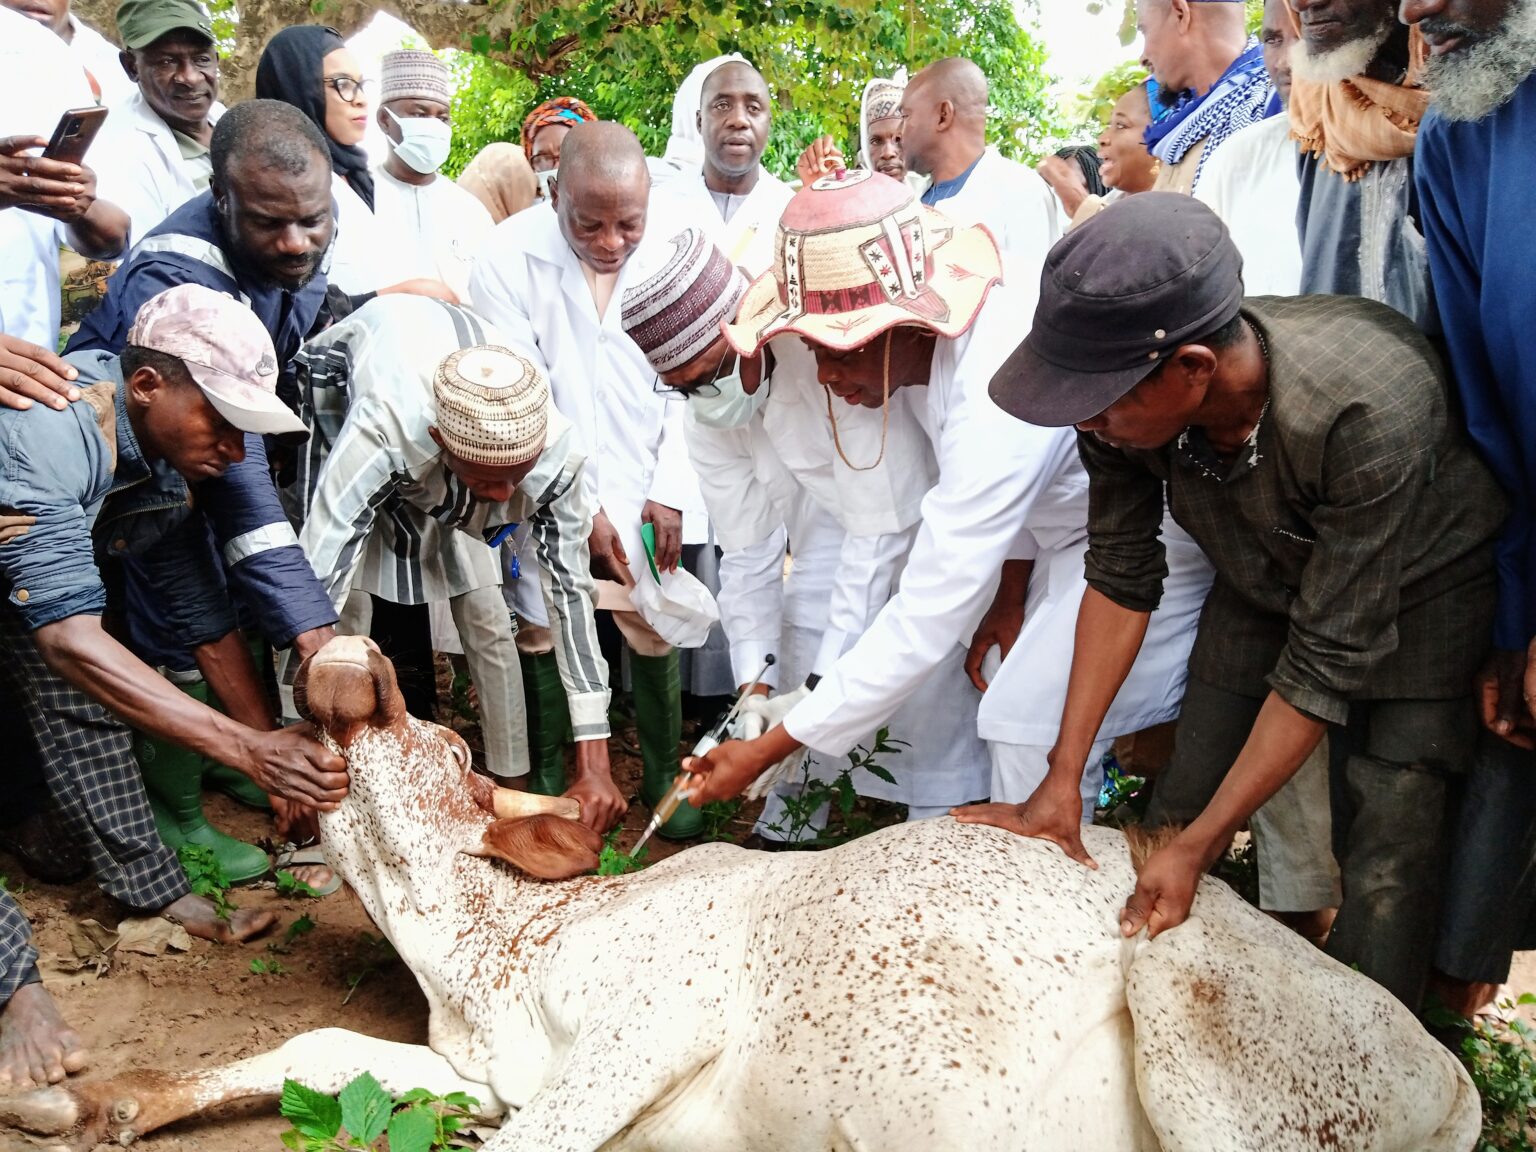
[658,693]
[549,723]
[219,777]
[173,778]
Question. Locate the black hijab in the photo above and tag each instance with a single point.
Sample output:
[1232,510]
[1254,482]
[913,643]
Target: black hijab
[292,70]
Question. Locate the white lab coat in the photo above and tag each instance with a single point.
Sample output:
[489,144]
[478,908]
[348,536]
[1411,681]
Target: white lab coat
[529,283]
[1253,184]
[137,158]
[435,230]
[1020,211]
[99,56]
[356,253]
[39,81]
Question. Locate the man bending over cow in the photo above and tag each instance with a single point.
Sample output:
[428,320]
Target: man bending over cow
[417,401]
[115,475]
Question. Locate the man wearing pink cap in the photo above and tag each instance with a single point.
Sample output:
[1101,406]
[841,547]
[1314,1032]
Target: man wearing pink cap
[114,476]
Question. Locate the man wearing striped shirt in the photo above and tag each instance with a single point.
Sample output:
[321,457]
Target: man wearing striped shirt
[418,405]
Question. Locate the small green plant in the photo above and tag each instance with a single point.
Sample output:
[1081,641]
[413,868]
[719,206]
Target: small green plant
[262,966]
[303,926]
[459,697]
[614,861]
[364,1116]
[718,815]
[290,885]
[370,954]
[1501,1059]
[846,822]
[206,877]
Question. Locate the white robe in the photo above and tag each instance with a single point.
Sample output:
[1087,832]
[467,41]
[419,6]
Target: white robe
[435,230]
[529,283]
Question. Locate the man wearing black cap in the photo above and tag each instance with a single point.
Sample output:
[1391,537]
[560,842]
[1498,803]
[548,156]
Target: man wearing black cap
[1305,445]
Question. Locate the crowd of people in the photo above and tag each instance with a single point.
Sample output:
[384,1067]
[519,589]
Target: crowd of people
[1213,425]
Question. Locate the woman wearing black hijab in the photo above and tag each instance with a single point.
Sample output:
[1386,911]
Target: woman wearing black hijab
[311,67]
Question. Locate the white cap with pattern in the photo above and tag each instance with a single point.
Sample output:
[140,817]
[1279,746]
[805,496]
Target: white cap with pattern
[492,406]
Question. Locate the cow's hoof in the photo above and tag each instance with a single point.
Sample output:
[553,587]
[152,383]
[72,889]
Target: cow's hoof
[53,1111]
[81,1115]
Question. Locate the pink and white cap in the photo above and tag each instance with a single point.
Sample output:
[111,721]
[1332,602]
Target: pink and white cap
[226,350]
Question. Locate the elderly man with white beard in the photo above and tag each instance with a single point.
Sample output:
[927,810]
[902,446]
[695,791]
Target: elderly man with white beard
[1476,160]
[1356,102]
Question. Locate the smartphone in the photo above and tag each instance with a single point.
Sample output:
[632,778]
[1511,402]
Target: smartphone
[74,133]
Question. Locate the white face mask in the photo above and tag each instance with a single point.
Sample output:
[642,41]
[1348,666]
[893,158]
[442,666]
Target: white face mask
[424,142]
[732,408]
[545,179]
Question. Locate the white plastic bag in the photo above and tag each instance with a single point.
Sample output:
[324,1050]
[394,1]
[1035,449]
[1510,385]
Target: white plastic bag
[680,608]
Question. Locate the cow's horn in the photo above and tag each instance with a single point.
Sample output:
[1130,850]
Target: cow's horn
[509,804]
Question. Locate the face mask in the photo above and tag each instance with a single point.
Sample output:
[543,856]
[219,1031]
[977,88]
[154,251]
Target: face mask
[732,408]
[545,179]
[424,142]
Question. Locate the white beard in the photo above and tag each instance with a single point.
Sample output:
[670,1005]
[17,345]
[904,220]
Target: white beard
[1341,63]
[1471,82]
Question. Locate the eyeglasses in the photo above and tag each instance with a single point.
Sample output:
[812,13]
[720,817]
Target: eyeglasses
[349,88]
[706,390]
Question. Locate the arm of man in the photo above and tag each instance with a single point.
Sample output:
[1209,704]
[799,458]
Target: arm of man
[560,529]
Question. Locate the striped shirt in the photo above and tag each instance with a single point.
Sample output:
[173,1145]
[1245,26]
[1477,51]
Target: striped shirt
[372,485]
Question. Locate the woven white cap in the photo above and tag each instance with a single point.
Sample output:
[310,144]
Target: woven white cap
[492,406]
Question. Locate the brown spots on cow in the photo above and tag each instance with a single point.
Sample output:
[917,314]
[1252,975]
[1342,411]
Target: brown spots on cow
[1206,991]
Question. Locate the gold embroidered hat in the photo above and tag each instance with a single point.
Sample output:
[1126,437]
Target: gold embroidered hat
[856,254]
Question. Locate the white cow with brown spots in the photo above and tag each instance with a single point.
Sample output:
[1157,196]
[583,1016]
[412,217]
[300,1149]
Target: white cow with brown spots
[932,987]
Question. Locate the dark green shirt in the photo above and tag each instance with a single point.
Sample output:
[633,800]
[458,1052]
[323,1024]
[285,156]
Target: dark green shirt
[1351,535]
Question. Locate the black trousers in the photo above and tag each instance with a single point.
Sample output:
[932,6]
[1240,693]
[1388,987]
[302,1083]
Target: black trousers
[1391,766]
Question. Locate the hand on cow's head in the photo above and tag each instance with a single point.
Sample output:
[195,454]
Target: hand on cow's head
[348,683]
[546,846]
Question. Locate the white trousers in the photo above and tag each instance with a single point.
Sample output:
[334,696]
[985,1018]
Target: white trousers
[1018,769]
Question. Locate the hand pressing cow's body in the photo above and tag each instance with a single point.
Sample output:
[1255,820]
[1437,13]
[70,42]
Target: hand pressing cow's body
[932,986]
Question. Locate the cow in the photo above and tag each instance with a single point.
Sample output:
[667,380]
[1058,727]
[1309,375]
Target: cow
[932,986]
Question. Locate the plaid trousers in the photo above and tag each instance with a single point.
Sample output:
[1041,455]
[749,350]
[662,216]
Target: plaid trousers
[17,956]
[88,763]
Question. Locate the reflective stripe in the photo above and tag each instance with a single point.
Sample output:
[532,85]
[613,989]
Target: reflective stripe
[192,248]
[262,539]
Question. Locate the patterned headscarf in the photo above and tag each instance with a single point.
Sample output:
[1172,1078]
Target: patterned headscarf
[565,110]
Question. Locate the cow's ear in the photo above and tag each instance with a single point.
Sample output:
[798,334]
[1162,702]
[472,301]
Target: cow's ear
[547,847]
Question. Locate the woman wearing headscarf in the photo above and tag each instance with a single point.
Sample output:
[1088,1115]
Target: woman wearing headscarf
[501,178]
[311,67]
[543,130]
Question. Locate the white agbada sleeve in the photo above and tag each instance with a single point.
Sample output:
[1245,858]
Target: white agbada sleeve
[992,470]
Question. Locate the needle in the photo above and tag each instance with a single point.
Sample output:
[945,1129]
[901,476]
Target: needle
[674,797]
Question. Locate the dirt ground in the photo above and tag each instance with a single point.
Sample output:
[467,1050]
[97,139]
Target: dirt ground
[180,1012]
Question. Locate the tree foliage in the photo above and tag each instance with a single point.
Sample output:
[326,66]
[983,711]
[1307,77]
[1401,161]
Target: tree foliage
[1255,14]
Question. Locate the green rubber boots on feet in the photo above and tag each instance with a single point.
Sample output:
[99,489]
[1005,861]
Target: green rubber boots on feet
[173,777]
[658,696]
[549,723]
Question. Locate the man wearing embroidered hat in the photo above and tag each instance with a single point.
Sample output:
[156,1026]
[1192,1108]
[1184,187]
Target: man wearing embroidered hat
[892,295]
[435,227]
[419,403]
[1306,445]
[1211,79]
[111,475]
[769,466]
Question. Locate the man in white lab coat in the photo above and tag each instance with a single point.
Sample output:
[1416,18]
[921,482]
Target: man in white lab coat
[944,136]
[555,280]
[892,295]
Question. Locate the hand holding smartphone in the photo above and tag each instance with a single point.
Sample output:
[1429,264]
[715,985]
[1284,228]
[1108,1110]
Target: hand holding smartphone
[73,134]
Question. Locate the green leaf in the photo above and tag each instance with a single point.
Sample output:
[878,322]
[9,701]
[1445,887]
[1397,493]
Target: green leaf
[480,43]
[365,1108]
[313,1113]
[461,1100]
[879,773]
[412,1130]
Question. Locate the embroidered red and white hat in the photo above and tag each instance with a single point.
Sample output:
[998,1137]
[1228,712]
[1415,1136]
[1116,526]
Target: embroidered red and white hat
[226,350]
[857,253]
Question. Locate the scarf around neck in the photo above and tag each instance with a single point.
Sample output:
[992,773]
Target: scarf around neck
[1351,124]
[1238,99]
[292,69]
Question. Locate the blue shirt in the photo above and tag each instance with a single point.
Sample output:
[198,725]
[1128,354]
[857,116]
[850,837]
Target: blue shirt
[944,189]
[1474,183]
[82,473]
[266,568]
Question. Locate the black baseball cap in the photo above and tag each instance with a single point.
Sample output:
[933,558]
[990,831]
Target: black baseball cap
[1118,294]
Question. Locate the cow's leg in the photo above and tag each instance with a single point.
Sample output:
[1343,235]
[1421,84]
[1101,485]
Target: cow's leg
[128,1106]
[1250,1040]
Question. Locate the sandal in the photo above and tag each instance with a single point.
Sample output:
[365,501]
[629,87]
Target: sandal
[290,856]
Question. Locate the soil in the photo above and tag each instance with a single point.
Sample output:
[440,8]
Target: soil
[206,1007]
